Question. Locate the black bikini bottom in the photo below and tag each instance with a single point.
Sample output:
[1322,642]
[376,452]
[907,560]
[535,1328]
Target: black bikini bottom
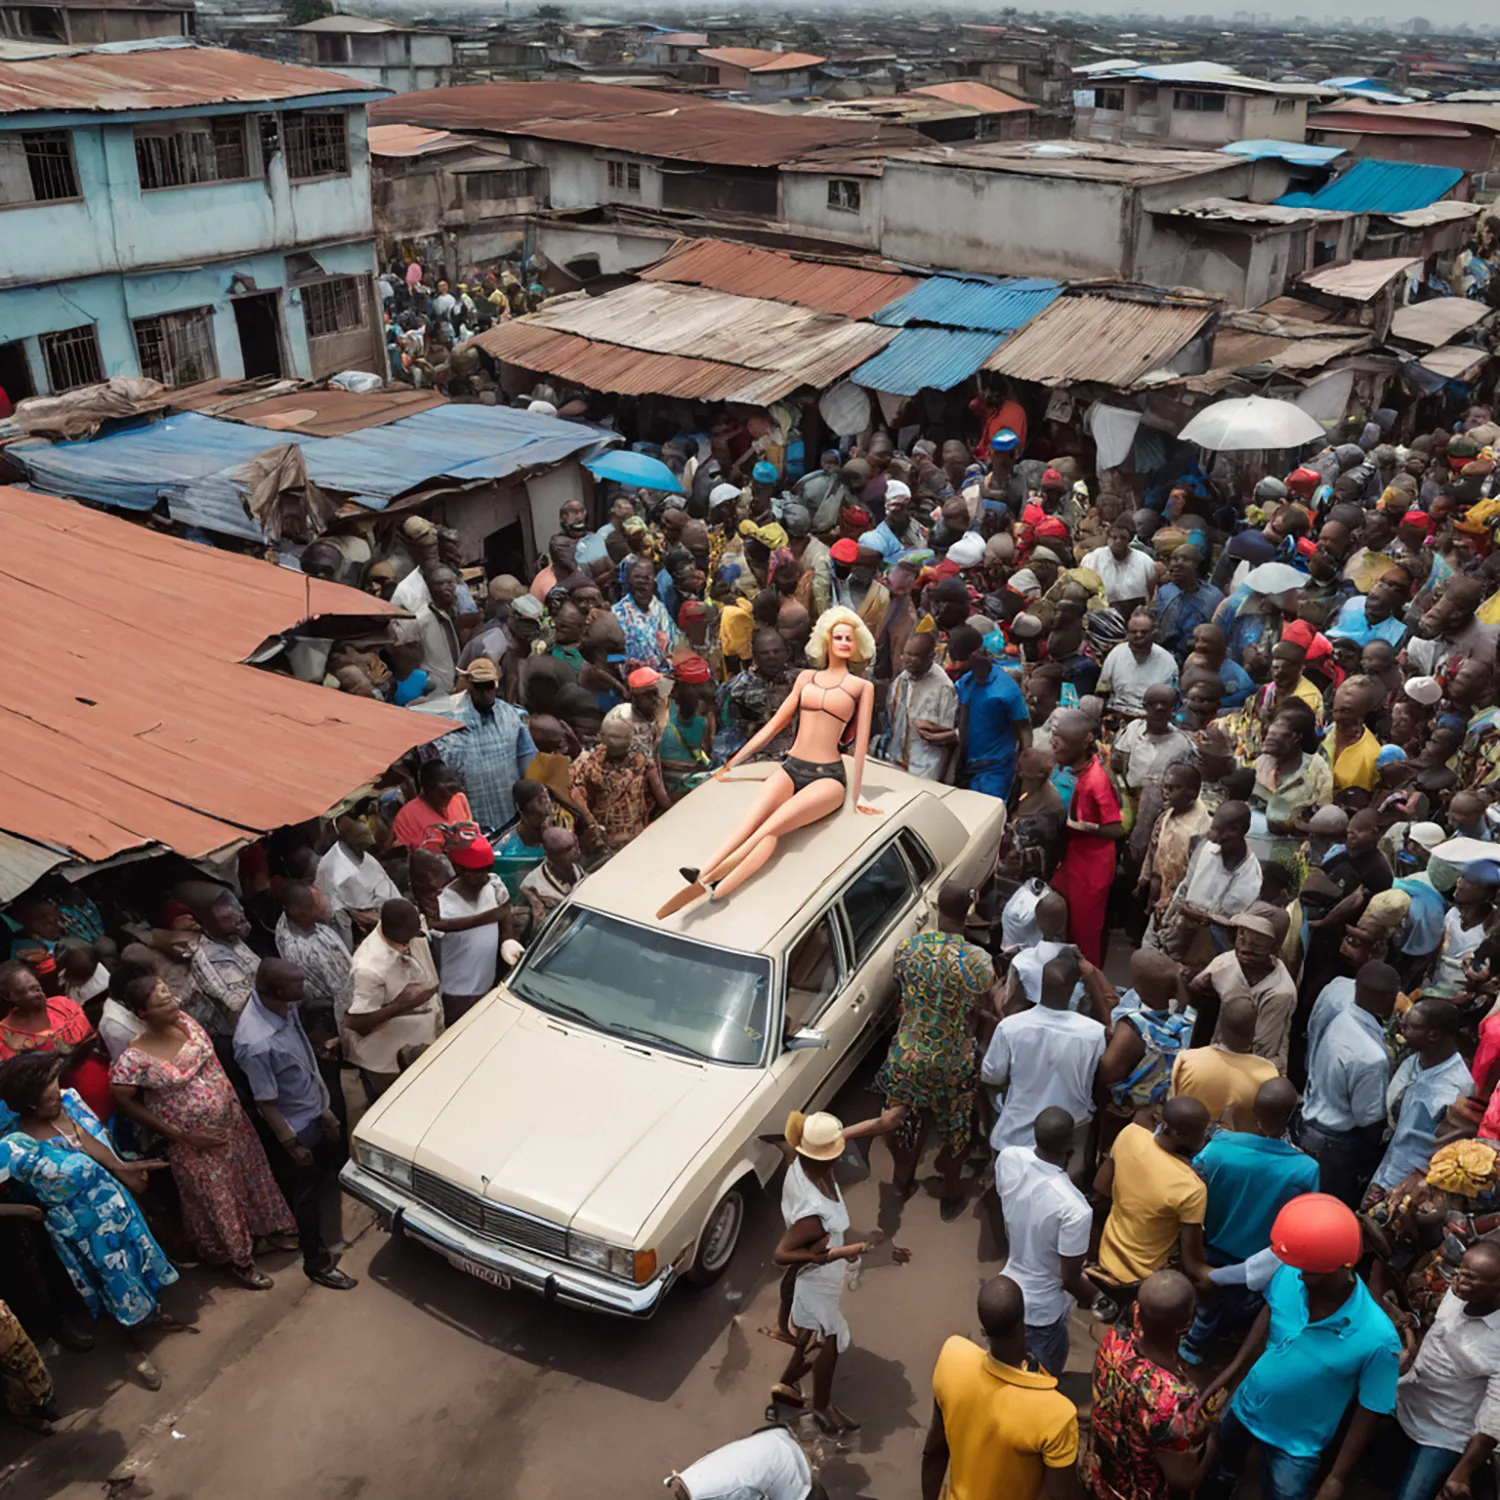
[803,773]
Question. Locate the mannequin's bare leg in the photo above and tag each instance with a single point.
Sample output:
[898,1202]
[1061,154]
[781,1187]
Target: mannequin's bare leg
[808,806]
[777,790]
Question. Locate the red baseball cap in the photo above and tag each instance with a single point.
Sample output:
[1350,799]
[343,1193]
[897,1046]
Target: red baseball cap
[845,550]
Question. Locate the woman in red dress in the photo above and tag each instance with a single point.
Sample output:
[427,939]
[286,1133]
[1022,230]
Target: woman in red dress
[1094,828]
[31,1020]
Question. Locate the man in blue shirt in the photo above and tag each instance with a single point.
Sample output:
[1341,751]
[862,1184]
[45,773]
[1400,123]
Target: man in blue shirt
[1375,616]
[1211,644]
[994,725]
[1320,1342]
[1251,1175]
[277,1058]
[1184,603]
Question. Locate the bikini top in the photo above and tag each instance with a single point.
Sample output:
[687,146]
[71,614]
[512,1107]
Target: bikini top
[821,706]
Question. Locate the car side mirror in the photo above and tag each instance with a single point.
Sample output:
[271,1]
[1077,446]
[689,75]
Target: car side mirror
[806,1040]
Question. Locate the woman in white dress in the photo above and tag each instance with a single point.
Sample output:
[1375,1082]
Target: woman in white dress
[815,1243]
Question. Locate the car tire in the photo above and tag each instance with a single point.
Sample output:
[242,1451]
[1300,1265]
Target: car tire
[721,1234]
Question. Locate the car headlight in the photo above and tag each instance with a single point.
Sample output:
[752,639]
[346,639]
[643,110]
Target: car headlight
[394,1168]
[611,1259]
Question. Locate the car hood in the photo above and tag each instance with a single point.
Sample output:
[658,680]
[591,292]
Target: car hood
[556,1120]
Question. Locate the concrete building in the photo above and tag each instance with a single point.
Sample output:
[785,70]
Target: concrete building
[84,23]
[452,200]
[182,212]
[1204,105]
[1444,134]
[399,58]
[760,73]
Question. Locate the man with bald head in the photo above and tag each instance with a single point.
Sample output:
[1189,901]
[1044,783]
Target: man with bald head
[1047,1226]
[1149,1434]
[1156,1197]
[1250,1174]
[394,1005]
[278,1061]
[998,1429]
[1211,650]
[1225,1075]
[1184,602]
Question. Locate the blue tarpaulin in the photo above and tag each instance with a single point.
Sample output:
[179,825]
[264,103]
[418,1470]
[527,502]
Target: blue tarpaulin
[999,305]
[192,461]
[927,359]
[1372,186]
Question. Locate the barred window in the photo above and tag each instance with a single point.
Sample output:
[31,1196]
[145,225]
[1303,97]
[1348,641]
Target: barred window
[513,184]
[316,143]
[843,194]
[72,358]
[37,167]
[184,152]
[625,175]
[177,348]
[333,306]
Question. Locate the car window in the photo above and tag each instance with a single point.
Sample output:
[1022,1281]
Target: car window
[879,894]
[812,975]
[919,855]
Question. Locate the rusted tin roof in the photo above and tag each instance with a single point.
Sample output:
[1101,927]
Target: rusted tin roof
[1359,280]
[674,126]
[761,59]
[175,76]
[312,412]
[1107,340]
[980,96]
[128,717]
[749,271]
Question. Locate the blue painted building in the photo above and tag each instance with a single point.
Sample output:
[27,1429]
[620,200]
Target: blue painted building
[182,212]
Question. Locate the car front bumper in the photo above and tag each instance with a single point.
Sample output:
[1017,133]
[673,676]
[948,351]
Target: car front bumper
[556,1280]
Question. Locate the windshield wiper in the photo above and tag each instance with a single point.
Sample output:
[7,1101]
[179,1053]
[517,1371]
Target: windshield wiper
[562,1008]
[650,1036]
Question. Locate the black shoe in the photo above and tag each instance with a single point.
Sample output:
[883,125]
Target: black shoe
[688,874]
[333,1278]
[73,1335]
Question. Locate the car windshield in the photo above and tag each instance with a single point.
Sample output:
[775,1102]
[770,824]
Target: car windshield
[650,986]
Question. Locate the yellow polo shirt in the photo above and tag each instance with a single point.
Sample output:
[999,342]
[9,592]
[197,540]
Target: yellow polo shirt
[1004,1425]
[1155,1194]
[1226,1083]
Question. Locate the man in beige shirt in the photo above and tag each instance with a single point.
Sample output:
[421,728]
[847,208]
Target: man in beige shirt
[1225,1076]
[395,1002]
[1254,972]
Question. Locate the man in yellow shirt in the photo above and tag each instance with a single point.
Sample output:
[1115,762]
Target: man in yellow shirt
[1000,1426]
[1156,1196]
[1224,1077]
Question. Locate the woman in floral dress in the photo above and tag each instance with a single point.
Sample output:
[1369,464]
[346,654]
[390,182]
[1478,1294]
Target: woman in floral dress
[931,1071]
[170,1081]
[60,1159]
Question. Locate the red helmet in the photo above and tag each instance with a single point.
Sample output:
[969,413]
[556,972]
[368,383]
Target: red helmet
[1316,1232]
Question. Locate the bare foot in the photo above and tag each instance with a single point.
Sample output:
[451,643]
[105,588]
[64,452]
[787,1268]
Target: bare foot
[779,1336]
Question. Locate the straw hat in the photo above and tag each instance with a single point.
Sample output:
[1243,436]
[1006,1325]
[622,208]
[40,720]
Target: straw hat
[819,1137]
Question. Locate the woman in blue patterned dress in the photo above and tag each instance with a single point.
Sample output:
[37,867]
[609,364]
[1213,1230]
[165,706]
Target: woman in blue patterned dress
[932,1070]
[59,1158]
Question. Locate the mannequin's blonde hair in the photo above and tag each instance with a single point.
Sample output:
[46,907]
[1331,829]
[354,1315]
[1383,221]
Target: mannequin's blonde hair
[817,645]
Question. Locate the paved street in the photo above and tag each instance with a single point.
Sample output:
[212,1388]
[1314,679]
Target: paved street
[423,1381]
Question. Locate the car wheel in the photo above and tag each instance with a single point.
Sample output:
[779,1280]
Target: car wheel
[720,1235]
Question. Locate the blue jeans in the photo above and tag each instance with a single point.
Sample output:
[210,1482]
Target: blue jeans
[1282,1475]
[1426,1472]
[1047,1343]
[1235,1306]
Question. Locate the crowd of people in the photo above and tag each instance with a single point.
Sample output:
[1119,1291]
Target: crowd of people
[1245,726]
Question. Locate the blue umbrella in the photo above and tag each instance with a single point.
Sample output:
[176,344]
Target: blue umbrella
[634,468]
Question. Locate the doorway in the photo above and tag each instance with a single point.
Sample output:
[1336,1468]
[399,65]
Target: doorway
[258,319]
[505,552]
[15,373]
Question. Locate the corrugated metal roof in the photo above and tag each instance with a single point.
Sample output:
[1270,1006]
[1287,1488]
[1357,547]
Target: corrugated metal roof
[749,271]
[23,863]
[1241,212]
[1436,321]
[193,462]
[762,59]
[349,25]
[980,96]
[675,126]
[1481,116]
[1109,340]
[629,372]
[1298,153]
[170,74]
[664,318]
[316,411]
[1446,211]
[1359,280]
[411,140]
[1453,361]
[1372,186]
[1210,75]
[126,714]
[1087,161]
[998,306]
[926,359]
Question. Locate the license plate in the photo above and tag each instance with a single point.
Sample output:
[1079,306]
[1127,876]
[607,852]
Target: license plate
[483,1272]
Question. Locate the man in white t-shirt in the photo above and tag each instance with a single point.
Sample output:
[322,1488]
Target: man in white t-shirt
[1128,576]
[1134,666]
[474,929]
[1045,1056]
[1047,1224]
[767,1465]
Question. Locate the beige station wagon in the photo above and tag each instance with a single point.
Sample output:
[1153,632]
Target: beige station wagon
[590,1130]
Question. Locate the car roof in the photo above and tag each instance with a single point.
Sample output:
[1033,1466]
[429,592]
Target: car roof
[641,877]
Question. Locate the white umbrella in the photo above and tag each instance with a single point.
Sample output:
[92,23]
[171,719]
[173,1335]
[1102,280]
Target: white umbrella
[1252,422]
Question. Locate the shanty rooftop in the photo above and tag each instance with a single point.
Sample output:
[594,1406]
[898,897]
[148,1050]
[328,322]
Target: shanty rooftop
[1088,161]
